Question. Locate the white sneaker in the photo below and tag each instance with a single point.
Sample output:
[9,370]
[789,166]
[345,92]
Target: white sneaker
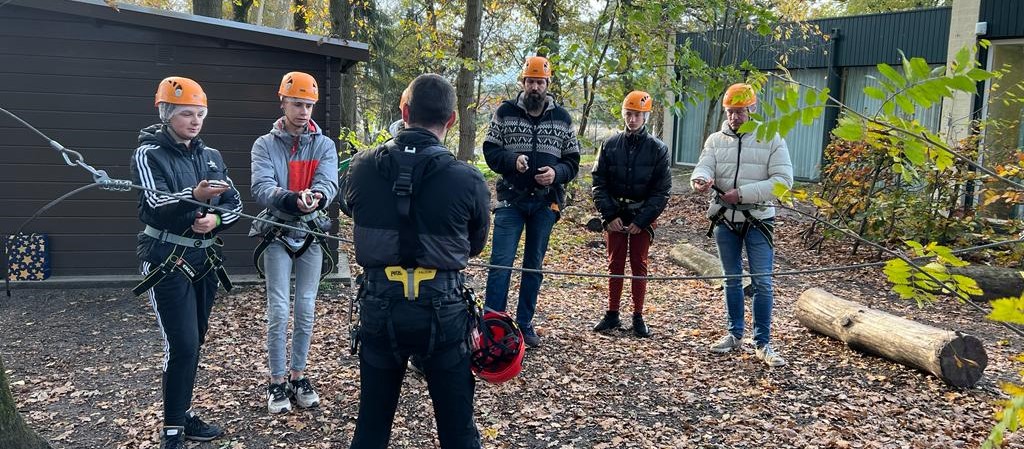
[769,356]
[277,398]
[726,344]
[304,393]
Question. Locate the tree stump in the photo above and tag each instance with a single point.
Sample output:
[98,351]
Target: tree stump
[995,282]
[704,264]
[956,358]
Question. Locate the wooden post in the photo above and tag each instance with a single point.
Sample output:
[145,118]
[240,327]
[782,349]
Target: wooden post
[955,358]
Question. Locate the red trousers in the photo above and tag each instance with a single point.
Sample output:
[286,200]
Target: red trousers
[636,246]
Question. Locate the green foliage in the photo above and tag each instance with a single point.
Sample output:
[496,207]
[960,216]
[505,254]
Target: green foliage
[351,138]
[1008,310]
[1011,416]
[887,175]
[890,178]
[784,112]
[923,282]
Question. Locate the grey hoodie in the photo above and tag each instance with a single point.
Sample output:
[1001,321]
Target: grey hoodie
[283,165]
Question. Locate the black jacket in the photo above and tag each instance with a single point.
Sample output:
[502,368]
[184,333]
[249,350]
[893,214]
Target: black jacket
[450,204]
[548,140]
[636,168]
[161,163]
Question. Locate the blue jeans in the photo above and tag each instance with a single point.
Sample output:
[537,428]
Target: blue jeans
[760,257]
[537,217]
[278,266]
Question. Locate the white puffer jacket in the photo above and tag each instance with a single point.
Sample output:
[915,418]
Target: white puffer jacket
[746,164]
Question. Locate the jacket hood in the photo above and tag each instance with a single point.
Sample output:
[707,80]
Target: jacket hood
[426,143]
[278,129]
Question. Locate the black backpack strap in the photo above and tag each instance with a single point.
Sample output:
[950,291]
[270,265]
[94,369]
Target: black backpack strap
[411,174]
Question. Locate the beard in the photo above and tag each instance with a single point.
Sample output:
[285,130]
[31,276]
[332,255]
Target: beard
[533,101]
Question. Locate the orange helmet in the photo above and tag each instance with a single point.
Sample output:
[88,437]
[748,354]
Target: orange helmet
[739,95]
[180,90]
[537,67]
[299,85]
[637,100]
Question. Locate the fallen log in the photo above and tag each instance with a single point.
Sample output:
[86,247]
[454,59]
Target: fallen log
[956,358]
[995,282]
[704,264]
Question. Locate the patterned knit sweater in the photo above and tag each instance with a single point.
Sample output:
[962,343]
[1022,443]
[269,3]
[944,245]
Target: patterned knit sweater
[548,141]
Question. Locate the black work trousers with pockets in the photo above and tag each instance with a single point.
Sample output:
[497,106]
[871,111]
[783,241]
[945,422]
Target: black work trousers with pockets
[393,329]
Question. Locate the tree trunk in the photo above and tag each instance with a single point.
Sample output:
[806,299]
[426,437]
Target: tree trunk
[704,264]
[259,12]
[995,282]
[547,21]
[341,25]
[590,94]
[208,8]
[299,17]
[957,359]
[13,431]
[240,10]
[469,52]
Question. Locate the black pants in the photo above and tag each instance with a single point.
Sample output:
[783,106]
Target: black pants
[385,313]
[183,314]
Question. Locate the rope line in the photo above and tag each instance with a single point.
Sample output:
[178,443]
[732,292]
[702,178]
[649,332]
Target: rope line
[103,181]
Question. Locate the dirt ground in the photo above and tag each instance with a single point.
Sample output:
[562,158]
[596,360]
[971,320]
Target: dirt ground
[85,367]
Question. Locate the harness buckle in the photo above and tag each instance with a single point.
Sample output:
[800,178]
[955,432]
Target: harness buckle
[410,278]
[403,185]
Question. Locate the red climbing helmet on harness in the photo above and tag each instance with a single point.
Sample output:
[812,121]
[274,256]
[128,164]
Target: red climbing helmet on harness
[498,351]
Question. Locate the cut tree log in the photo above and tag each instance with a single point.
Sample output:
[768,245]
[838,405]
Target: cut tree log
[956,358]
[704,264]
[995,282]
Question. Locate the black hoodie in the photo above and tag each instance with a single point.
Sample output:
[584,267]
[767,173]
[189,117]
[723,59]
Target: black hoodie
[163,164]
[450,204]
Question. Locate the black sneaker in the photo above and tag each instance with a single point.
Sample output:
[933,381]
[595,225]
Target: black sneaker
[610,321]
[278,398]
[198,430]
[172,437]
[304,393]
[640,328]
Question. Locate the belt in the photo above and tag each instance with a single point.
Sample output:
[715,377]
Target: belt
[277,232]
[176,239]
[629,204]
[412,278]
[293,218]
[176,262]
